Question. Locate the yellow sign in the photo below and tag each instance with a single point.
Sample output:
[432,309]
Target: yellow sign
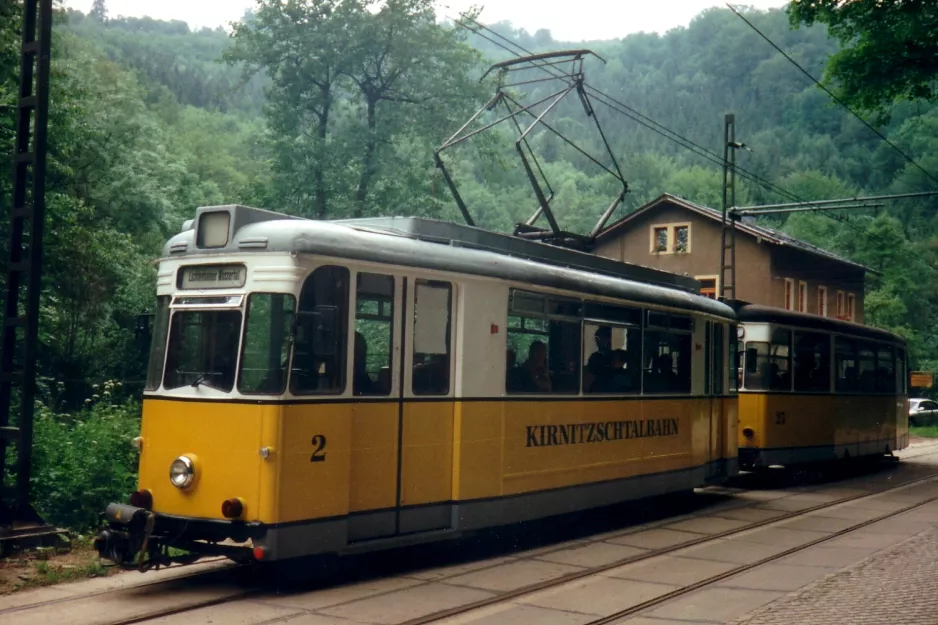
[921,379]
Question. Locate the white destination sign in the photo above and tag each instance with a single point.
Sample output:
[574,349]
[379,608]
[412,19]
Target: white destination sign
[213,277]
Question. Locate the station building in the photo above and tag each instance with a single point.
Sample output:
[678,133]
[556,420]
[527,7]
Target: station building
[772,268]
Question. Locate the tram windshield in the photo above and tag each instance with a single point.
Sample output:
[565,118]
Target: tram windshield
[203,349]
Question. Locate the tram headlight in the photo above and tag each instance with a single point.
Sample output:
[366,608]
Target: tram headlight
[182,472]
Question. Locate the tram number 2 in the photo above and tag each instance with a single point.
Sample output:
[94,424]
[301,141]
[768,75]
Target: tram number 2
[319,454]
[779,418]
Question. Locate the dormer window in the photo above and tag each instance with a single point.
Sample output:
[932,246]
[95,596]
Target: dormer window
[670,239]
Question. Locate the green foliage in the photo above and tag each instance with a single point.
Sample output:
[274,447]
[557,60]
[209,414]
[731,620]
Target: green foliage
[354,84]
[927,431]
[890,49]
[84,460]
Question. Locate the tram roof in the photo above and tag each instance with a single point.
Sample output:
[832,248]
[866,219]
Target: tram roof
[443,246]
[755,313]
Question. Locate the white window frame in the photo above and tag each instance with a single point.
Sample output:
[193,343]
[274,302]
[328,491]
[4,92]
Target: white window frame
[802,296]
[822,300]
[789,294]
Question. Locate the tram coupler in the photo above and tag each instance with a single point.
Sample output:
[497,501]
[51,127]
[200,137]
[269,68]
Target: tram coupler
[125,535]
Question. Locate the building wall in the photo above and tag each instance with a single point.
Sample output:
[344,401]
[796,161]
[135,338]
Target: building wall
[815,272]
[761,268]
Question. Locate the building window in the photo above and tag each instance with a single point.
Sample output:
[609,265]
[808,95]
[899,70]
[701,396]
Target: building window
[841,306]
[670,239]
[803,297]
[789,294]
[851,307]
[682,239]
[822,301]
[708,286]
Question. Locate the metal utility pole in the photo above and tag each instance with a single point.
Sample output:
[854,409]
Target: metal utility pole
[19,523]
[728,234]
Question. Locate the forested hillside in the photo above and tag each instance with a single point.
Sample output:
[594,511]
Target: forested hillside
[325,113]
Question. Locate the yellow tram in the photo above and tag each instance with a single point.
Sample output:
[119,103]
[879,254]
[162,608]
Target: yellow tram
[815,389]
[327,387]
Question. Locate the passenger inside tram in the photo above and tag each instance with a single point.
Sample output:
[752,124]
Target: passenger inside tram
[535,376]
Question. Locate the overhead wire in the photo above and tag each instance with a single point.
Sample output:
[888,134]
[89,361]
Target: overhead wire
[834,97]
[644,120]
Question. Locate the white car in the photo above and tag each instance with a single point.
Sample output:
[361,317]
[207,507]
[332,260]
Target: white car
[923,412]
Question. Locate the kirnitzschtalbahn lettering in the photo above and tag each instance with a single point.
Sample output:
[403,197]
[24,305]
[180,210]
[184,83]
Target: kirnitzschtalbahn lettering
[577,433]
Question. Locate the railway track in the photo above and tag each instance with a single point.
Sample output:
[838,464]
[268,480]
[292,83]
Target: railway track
[596,570]
[227,575]
[641,607]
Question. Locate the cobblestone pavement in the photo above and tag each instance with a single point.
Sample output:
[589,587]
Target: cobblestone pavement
[896,587]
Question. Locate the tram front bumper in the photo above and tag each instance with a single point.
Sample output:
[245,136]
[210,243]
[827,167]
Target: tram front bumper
[140,538]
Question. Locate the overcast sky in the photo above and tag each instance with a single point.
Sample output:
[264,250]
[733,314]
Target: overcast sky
[568,20]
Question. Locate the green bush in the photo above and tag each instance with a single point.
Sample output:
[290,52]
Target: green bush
[84,460]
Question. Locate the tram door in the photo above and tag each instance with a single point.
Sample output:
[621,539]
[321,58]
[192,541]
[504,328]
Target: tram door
[425,443]
[713,380]
[401,469]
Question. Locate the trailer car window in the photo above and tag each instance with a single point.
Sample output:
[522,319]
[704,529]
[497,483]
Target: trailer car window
[266,352]
[812,362]
[845,361]
[768,365]
[885,370]
[867,367]
[902,377]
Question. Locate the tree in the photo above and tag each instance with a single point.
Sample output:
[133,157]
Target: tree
[304,46]
[98,11]
[890,51]
[351,84]
[403,57]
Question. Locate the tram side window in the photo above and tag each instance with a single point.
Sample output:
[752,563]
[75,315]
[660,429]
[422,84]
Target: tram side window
[266,351]
[768,365]
[321,341]
[613,363]
[158,344]
[527,356]
[543,347]
[203,348]
[667,354]
[812,362]
[374,320]
[866,366]
[432,308]
[845,361]
[885,370]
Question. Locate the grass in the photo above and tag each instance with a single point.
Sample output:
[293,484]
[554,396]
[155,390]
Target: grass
[925,431]
[46,566]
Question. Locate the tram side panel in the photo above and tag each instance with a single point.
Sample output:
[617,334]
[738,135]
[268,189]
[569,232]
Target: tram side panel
[518,457]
